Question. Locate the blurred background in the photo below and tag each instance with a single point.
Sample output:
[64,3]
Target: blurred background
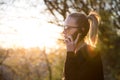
[31,40]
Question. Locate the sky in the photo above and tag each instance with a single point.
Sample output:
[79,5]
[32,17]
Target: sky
[23,23]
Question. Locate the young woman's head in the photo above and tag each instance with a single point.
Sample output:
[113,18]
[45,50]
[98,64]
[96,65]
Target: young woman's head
[86,25]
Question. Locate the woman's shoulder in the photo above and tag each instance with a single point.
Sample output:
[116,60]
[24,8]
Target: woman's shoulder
[89,51]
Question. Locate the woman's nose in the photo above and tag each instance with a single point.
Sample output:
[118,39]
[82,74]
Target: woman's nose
[63,32]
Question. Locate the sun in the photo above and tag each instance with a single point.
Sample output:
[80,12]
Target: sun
[40,36]
[27,28]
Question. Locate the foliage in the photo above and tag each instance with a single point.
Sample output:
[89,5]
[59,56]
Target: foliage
[31,64]
[22,64]
[108,43]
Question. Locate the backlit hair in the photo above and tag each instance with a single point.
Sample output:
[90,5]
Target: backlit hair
[94,20]
[88,26]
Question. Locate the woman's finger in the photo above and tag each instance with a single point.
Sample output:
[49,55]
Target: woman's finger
[76,40]
[70,38]
[67,40]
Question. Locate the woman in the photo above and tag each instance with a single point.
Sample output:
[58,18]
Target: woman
[82,62]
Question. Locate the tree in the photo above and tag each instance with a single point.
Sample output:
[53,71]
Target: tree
[67,6]
[109,38]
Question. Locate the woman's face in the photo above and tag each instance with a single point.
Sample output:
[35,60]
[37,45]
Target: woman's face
[70,28]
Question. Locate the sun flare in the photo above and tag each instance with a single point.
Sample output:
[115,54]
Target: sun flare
[27,28]
[28,34]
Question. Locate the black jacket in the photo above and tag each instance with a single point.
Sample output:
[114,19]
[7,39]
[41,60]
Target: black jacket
[81,66]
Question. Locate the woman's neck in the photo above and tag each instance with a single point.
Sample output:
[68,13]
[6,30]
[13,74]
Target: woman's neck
[79,45]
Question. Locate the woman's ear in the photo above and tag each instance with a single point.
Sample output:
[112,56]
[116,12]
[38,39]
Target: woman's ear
[83,29]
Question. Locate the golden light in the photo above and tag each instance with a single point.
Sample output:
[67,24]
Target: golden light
[27,28]
[29,34]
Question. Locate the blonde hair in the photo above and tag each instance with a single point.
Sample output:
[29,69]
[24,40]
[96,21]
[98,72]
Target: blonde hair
[88,26]
[94,20]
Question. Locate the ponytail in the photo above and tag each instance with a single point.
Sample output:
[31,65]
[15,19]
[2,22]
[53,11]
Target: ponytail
[94,20]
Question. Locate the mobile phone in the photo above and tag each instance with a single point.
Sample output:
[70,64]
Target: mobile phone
[74,36]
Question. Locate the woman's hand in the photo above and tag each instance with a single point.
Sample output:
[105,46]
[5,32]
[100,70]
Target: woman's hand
[71,44]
